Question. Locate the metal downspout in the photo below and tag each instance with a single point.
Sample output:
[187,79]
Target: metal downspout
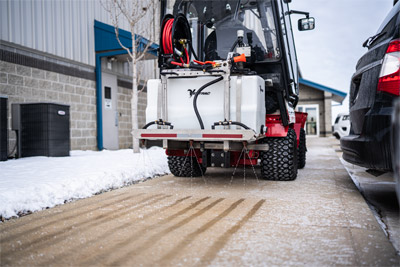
[99,104]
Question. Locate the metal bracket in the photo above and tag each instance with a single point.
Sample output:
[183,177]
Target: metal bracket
[226,146]
[165,144]
[227,97]
[239,100]
[258,147]
[220,159]
[160,99]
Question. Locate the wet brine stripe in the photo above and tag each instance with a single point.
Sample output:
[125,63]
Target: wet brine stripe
[212,252]
[109,233]
[56,235]
[157,236]
[138,233]
[188,239]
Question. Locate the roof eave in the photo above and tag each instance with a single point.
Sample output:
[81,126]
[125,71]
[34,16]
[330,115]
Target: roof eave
[337,96]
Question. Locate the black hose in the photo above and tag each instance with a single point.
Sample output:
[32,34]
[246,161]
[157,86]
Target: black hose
[240,124]
[159,122]
[148,124]
[225,123]
[197,67]
[194,53]
[234,45]
[195,99]
[205,67]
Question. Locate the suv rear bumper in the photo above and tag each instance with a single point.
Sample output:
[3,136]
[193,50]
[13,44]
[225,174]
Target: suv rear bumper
[372,149]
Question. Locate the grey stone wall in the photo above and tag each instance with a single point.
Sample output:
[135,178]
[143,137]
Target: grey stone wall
[125,121]
[142,109]
[26,84]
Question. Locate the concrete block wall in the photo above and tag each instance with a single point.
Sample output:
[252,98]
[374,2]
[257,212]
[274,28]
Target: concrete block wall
[26,84]
[142,109]
[125,121]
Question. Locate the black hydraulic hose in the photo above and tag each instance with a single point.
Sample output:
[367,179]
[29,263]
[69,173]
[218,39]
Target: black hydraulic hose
[159,122]
[234,45]
[198,67]
[241,124]
[197,95]
[148,124]
[225,123]
[194,53]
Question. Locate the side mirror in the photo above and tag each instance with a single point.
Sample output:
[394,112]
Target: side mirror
[306,24]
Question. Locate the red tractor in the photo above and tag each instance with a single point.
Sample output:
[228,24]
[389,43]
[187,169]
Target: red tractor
[228,88]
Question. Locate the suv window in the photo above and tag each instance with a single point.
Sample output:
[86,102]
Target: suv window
[387,30]
[393,13]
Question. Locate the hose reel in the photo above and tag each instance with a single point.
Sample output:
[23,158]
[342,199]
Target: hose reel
[175,41]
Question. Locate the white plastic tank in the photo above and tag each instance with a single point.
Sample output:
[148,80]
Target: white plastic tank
[210,103]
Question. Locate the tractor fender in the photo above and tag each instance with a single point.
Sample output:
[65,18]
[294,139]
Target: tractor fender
[275,126]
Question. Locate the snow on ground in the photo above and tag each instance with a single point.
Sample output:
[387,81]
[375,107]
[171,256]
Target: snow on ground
[34,183]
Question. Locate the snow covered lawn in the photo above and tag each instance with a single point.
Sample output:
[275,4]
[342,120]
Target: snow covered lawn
[34,183]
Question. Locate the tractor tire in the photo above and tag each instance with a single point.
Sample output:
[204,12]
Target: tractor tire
[181,166]
[301,150]
[279,163]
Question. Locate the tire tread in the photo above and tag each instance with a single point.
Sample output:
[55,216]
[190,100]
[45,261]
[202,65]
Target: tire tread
[181,166]
[302,150]
[279,163]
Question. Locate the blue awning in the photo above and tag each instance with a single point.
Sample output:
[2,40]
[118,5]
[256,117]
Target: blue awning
[337,95]
[106,40]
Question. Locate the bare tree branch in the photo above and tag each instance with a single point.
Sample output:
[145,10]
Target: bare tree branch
[120,43]
[143,53]
[134,12]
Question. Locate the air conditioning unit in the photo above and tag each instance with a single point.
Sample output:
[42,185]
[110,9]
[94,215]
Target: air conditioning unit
[3,128]
[43,129]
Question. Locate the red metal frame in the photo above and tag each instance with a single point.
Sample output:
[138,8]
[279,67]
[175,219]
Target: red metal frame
[244,160]
[275,129]
[275,126]
[301,118]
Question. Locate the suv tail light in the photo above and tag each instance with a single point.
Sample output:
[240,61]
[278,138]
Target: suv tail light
[389,77]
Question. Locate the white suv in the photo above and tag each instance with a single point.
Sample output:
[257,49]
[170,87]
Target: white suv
[342,125]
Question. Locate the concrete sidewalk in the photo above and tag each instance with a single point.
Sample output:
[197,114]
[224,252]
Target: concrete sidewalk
[319,219]
[379,191]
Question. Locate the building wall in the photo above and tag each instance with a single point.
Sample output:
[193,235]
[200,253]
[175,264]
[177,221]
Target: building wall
[328,114]
[309,95]
[125,121]
[47,55]
[63,28]
[24,84]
